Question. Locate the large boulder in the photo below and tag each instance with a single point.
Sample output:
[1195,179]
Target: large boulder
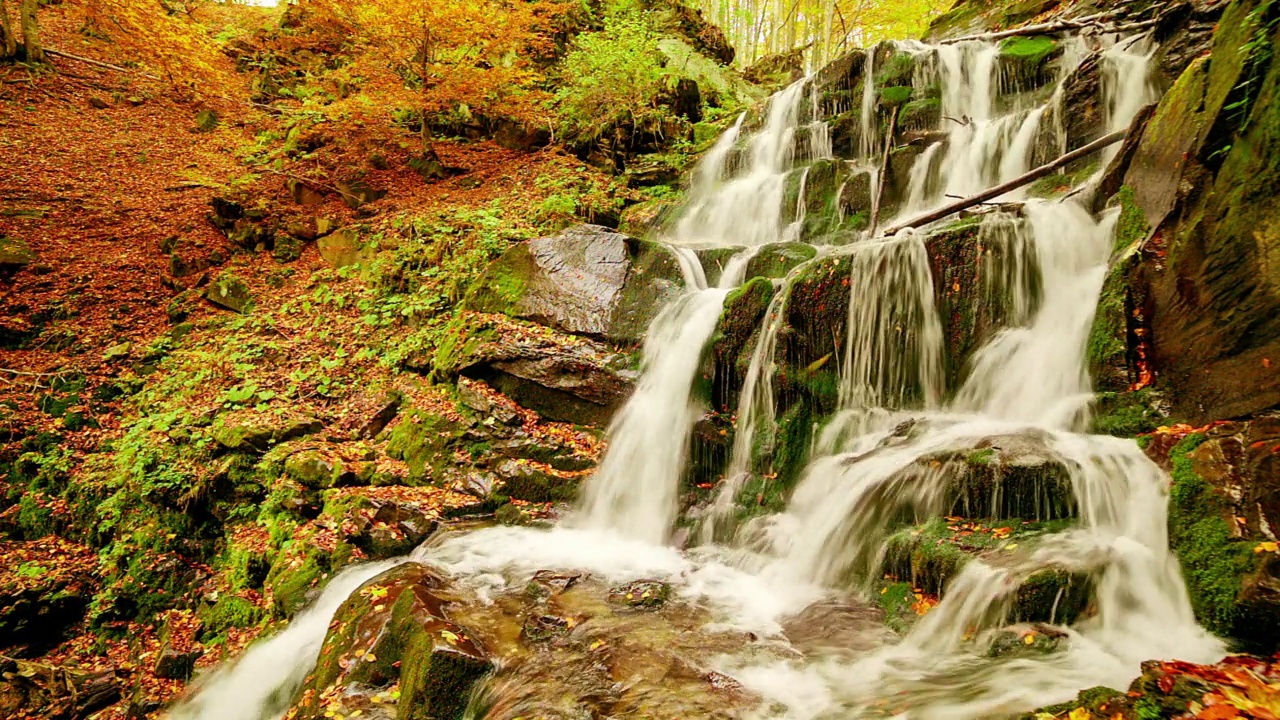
[394,629]
[588,280]
[561,377]
[1223,513]
[1205,175]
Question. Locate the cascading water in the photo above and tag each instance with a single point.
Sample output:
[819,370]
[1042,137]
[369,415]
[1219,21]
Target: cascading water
[875,466]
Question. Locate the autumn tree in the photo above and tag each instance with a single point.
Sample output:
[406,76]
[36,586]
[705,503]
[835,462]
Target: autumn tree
[30,48]
[8,40]
[441,57]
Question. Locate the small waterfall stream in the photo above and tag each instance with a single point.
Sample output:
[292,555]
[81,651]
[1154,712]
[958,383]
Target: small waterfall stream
[872,463]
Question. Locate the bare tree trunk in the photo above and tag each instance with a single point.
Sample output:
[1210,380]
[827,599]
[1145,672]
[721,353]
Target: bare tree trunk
[8,39]
[31,32]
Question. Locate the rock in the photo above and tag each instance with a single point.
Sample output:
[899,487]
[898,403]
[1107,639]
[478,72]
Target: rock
[15,254]
[1204,174]
[523,481]
[641,593]
[517,136]
[1082,93]
[647,217]
[304,193]
[176,658]
[563,378]
[207,120]
[356,193]
[778,259]
[421,440]
[98,102]
[382,522]
[230,292]
[286,248]
[30,689]
[238,434]
[312,469]
[395,628]
[1003,476]
[778,70]
[341,248]
[387,412]
[587,280]
[117,352]
[45,596]
[651,170]
[469,394]
[1223,510]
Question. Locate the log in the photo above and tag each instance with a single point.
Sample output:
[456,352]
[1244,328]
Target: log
[1041,29]
[884,169]
[998,190]
[95,63]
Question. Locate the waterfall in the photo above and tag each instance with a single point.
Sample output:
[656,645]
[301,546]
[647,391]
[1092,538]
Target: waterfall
[633,492]
[260,684]
[869,138]
[879,465]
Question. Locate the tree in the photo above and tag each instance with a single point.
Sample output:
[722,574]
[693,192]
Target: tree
[460,57]
[8,40]
[31,31]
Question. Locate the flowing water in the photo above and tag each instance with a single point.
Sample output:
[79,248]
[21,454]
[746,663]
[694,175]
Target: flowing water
[874,467]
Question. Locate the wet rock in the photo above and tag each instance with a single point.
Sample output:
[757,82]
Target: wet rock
[1199,174]
[395,628]
[173,662]
[1223,507]
[587,280]
[548,450]
[1032,640]
[543,628]
[649,171]
[735,338]
[230,292]
[777,259]
[1002,476]
[641,593]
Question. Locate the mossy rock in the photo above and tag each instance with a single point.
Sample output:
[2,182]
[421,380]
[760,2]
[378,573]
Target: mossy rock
[1025,61]
[230,611]
[777,259]
[734,341]
[394,629]
[230,292]
[1128,414]
[1223,490]
[532,484]
[931,555]
[923,114]
[422,440]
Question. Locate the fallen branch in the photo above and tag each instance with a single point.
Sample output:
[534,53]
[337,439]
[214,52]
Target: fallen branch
[95,63]
[998,190]
[1042,29]
[884,169]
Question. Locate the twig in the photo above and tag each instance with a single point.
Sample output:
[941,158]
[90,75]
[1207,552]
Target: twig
[96,63]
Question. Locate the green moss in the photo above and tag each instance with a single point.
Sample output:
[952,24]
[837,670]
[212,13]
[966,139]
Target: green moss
[898,71]
[1127,414]
[895,600]
[891,97]
[1213,563]
[1131,227]
[1108,337]
[981,457]
[1061,183]
[921,114]
[231,611]
[795,436]
[1035,47]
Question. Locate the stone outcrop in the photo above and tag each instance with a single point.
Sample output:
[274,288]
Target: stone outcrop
[587,280]
[1204,176]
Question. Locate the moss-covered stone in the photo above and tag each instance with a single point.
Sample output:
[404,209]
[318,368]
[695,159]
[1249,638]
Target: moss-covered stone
[1024,62]
[230,611]
[394,628]
[1216,517]
[422,440]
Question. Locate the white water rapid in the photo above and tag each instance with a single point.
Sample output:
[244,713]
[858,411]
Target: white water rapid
[885,462]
